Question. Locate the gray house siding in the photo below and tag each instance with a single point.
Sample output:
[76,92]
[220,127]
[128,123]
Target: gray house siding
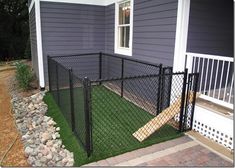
[154,30]
[211,27]
[76,28]
[33,39]
[71,28]
[109,28]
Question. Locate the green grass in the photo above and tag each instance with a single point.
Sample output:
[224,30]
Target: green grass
[114,121]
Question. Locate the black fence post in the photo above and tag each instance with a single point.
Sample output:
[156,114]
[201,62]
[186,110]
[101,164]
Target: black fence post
[166,87]
[159,103]
[195,84]
[71,99]
[183,100]
[87,108]
[188,88]
[100,66]
[170,85]
[57,85]
[49,72]
[122,76]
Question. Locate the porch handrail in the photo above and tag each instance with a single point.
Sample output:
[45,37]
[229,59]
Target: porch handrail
[217,57]
[216,76]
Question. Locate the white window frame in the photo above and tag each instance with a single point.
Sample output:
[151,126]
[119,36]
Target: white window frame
[117,49]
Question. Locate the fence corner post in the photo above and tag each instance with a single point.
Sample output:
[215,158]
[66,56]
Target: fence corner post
[100,66]
[159,102]
[195,84]
[122,76]
[48,71]
[87,108]
[71,98]
[57,84]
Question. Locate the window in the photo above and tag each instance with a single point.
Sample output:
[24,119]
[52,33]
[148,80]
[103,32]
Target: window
[123,27]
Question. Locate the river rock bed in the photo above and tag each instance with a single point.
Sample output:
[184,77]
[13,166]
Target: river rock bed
[41,138]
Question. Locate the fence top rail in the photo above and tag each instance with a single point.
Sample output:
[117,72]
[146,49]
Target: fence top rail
[132,59]
[106,54]
[214,57]
[136,77]
[71,55]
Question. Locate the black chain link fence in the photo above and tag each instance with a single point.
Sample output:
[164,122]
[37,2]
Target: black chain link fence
[107,98]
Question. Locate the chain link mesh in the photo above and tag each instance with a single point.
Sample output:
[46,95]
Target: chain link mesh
[112,103]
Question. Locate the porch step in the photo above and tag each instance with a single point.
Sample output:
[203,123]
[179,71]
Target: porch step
[214,107]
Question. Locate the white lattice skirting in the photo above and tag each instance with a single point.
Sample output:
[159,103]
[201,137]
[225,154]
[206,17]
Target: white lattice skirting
[214,126]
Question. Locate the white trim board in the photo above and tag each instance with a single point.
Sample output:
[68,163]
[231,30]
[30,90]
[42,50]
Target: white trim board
[86,2]
[39,44]
[181,35]
[117,50]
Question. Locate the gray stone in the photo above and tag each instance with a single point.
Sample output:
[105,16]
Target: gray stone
[64,161]
[45,151]
[41,139]
[45,136]
[49,143]
[37,163]
[28,150]
[51,122]
[25,137]
[31,160]
[49,156]
[53,136]
[46,119]
[44,160]
[40,155]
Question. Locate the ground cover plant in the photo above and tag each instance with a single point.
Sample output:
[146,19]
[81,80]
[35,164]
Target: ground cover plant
[24,75]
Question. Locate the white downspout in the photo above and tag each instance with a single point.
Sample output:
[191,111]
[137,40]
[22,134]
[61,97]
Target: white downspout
[39,44]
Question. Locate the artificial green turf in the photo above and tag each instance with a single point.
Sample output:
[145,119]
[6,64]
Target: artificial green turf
[114,120]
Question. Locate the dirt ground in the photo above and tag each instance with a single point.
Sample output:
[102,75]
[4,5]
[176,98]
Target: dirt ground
[8,132]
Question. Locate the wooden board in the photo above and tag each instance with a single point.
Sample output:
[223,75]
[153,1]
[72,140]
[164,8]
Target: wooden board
[157,122]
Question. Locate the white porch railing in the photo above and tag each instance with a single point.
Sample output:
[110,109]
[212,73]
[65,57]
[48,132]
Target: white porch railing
[216,78]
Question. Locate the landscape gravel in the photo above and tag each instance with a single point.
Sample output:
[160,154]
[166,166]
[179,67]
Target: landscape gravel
[41,138]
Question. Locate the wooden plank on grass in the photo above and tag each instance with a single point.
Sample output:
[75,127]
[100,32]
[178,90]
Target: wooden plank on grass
[159,121]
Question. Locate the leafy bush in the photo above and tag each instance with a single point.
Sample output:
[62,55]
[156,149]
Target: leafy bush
[23,75]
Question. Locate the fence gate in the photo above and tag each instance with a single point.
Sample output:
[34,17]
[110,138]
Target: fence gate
[190,98]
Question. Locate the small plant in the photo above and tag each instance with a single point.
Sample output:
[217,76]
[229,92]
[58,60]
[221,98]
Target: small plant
[23,75]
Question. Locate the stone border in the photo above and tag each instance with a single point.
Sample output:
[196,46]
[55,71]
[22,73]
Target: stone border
[41,139]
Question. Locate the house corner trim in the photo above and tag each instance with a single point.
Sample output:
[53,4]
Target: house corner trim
[181,35]
[39,44]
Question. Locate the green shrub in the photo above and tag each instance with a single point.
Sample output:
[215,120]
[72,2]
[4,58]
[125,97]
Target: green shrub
[23,75]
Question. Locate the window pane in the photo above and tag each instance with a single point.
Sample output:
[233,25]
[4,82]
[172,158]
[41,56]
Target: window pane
[124,13]
[124,36]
